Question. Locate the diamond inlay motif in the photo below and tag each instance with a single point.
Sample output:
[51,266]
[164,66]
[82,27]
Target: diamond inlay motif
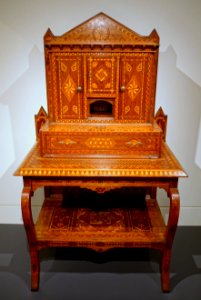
[69,88]
[101,75]
[133,88]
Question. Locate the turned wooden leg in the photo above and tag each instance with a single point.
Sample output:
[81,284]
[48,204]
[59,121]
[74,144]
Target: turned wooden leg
[31,236]
[171,229]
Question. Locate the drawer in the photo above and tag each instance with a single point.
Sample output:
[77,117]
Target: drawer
[137,144]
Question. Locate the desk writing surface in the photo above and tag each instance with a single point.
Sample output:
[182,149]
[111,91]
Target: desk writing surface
[106,166]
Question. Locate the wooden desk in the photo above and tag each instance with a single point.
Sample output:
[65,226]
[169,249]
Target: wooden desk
[100,137]
[94,229]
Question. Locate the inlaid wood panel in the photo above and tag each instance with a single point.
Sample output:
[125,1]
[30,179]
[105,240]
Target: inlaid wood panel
[114,144]
[136,87]
[102,75]
[67,84]
[100,229]
[163,167]
[105,139]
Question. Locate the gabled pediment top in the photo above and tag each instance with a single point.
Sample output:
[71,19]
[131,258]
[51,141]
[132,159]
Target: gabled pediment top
[101,30]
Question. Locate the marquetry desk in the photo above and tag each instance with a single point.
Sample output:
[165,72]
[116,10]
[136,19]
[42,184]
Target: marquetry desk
[101,176]
[101,152]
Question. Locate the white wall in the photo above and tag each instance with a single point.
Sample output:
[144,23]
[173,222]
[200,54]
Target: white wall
[22,82]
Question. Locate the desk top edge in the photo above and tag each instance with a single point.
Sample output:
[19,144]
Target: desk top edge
[36,166]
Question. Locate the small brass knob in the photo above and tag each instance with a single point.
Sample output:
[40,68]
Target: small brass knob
[122,88]
[79,89]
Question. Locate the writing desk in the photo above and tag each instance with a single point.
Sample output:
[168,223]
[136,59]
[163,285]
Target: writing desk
[60,226]
[101,153]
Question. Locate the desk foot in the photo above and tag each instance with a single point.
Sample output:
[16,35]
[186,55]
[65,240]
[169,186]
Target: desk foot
[165,271]
[35,269]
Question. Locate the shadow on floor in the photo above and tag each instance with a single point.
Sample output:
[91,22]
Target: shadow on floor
[85,274]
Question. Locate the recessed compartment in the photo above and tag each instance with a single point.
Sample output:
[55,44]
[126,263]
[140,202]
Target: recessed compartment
[100,108]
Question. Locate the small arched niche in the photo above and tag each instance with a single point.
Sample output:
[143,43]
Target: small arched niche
[101,108]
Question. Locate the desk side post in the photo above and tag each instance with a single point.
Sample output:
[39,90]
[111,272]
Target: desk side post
[27,193]
[171,230]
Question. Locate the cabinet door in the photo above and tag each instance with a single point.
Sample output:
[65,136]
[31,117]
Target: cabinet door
[67,86]
[136,87]
[102,75]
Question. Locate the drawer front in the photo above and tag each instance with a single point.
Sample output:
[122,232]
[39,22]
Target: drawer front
[115,144]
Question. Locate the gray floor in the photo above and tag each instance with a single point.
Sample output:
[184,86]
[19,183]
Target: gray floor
[86,275]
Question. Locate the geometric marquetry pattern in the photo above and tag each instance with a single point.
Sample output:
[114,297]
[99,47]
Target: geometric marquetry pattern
[102,75]
[100,143]
[66,79]
[166,166]
[112,221]
[136,97]
[133,88]
[69,88]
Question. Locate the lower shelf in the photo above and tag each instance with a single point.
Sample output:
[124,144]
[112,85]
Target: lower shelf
[100,229]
